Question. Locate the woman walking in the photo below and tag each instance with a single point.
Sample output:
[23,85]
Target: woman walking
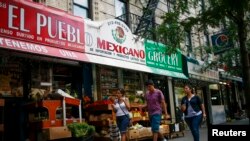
[194,110]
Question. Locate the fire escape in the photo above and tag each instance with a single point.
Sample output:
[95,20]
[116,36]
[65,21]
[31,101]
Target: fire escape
[144,28]
[142,25]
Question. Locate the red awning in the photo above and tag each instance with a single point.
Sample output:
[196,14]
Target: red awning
[28,47]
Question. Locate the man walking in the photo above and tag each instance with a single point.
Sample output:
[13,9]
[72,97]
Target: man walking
[155,104]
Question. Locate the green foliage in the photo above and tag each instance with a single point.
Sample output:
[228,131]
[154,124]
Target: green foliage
[170,33]
[81,129]
[232,15]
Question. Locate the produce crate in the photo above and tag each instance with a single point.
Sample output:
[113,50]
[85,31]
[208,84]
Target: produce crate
[164,129]
[143,132]
[133,134]
[57,133]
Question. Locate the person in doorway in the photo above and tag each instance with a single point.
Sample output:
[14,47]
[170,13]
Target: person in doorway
[194,110]
[121,107]
[156,106]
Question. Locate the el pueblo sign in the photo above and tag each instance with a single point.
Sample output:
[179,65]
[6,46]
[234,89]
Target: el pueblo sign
[31,22]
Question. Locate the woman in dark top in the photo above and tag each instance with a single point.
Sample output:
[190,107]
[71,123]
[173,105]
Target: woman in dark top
[194,110]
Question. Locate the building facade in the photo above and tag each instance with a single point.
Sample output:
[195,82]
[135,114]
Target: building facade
[90,48]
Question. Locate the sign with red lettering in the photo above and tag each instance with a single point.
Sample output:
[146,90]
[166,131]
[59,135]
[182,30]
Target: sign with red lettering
[32,22]
[113,38]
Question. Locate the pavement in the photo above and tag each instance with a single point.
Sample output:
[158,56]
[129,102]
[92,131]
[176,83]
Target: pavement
[203,131]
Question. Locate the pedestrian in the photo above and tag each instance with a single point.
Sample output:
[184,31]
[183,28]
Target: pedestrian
[121,107]
[156,106]
[194,110]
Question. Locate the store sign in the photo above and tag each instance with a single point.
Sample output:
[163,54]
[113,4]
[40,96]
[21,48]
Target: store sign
[18,45]
[198,73]
[114,39]
[36,23]
[221,42]
[156,57]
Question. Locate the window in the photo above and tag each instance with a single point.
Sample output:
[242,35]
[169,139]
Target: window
[188,42]
[11,84]
[40,1]
[121,9]
[81,8]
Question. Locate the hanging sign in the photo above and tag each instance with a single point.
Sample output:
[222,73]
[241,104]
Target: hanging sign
[221,42]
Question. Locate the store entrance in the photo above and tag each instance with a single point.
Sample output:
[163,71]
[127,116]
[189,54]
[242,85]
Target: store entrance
[161,83]
[15,122]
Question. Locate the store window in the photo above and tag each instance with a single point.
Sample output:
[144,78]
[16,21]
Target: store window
[179,94]
[81,8]
[107,81]
[11,77]
[49,78]
[215,97]
[63,78]
[132,82]
[40,76]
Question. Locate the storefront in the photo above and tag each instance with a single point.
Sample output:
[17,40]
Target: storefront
[82,58]
[232,96]
[205,84]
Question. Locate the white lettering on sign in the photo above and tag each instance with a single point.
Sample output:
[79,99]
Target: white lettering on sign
[35,23]
[67,54]
[23,45]
[216,132]
[161,57]
[12,17]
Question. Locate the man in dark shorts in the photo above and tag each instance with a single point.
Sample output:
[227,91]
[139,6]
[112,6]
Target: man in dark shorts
[156,106]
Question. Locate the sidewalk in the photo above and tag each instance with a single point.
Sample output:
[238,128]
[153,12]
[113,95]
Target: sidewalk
[203,131]
[188,135]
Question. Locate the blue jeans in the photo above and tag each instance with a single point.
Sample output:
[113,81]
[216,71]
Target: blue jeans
[194,125]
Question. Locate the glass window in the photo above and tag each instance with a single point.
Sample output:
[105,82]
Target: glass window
[11,83]
[120,8]
[81,8]
[83,3]
[79,11]
[132,82]
[215,97]
[188,42]
[108,81]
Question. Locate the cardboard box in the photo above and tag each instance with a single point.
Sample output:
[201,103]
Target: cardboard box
[133,134]
[164,129]
[149,132]
[57,133]
[143,132]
